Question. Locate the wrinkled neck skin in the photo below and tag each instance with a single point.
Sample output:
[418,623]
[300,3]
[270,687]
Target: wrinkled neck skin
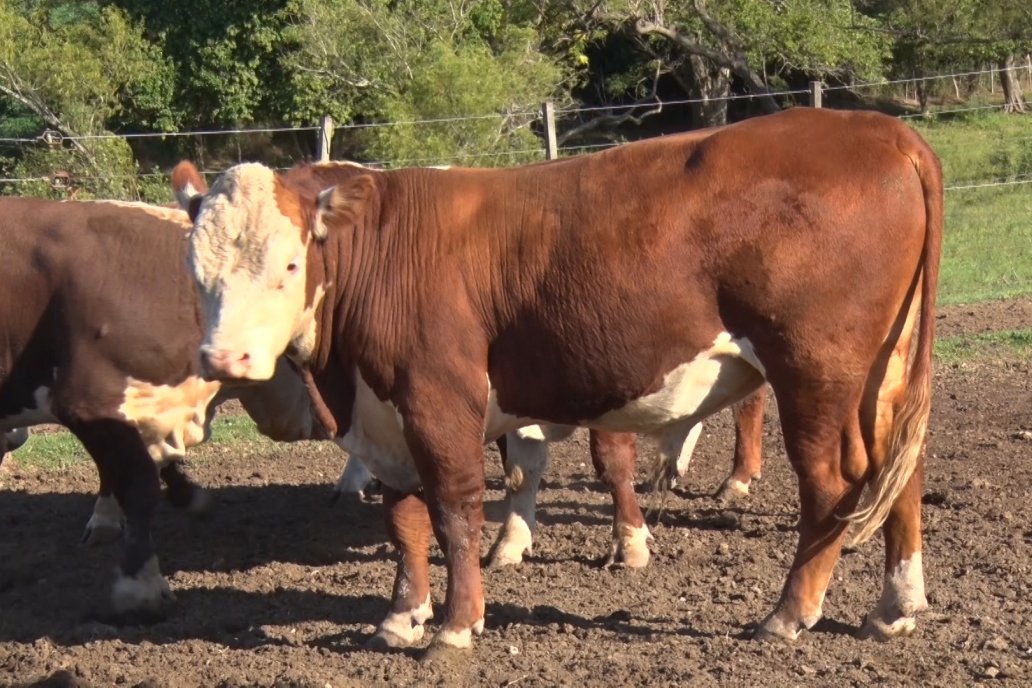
[357,318]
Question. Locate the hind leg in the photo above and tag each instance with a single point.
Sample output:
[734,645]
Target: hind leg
[826,449]
[748,446]
[903,593]
[524,458]
[613,455]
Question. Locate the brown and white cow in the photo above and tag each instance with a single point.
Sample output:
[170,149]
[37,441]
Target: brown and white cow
[101,325]
[638,289]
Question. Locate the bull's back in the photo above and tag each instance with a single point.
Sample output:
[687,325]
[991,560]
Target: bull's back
[96,292]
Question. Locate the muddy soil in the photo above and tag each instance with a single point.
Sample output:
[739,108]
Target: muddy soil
[280,587]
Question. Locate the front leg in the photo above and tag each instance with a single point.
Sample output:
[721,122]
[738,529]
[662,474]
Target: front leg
[127,467]
[408,527]
[448,452]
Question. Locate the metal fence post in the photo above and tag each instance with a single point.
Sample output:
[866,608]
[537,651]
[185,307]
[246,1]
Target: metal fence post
[551,148]
[325,137]
[816,94]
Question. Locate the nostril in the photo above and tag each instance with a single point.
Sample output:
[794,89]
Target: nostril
[244,358]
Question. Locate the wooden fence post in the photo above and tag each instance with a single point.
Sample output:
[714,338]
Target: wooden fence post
[816,94]
[551,148]
[325,137]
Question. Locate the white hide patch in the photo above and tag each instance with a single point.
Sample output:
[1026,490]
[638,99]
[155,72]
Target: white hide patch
[376,437]
[304,345]
[170,418]
[42,413]
[715,378]
[497,422]
[161,212]
[355,476]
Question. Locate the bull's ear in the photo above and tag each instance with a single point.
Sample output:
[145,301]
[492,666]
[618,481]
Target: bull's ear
[189,187]
[345,202]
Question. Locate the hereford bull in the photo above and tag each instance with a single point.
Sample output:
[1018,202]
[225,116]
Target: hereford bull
[638,289]
[101,325]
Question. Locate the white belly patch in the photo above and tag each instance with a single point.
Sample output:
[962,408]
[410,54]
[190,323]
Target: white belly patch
[170,418]
[377,439]
[717,377]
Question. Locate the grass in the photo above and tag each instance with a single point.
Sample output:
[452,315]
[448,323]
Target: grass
[51,450]
[987,247]
[968,347]
[60,449]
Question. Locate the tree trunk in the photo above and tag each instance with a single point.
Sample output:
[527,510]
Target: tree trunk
[711,85]
[1013,101]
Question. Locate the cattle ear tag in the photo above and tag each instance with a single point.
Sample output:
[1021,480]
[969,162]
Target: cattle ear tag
[344,202]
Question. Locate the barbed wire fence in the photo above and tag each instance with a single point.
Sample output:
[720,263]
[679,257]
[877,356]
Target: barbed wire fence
[975,199]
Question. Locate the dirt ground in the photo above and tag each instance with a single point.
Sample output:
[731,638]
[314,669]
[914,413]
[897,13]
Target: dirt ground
[281,587]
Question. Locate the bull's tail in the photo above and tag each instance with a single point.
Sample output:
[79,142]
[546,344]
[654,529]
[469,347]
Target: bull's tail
[910,422]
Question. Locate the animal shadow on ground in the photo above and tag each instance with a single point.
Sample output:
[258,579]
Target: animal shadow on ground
[48,577]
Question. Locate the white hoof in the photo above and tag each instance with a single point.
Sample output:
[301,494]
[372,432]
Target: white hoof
[106,523]
[142,592]
[514,540]
[879,628]
[732,488]
[630,547]
[403,629]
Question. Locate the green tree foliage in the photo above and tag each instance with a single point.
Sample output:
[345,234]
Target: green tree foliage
[72,68]
[83,68]
[428,60]
[229,57]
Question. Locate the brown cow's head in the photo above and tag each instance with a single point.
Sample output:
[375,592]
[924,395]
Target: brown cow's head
[249,255]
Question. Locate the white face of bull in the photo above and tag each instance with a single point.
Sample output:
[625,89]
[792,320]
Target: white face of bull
[249,261]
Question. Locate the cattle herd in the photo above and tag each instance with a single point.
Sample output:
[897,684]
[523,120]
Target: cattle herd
[413,315]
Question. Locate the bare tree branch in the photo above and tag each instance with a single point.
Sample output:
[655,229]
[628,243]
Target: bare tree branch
[610,119]
[731,54]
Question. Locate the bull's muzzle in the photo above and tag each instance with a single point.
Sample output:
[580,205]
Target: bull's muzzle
[225,364]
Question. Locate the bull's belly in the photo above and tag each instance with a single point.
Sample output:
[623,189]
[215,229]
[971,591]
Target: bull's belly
[721,375]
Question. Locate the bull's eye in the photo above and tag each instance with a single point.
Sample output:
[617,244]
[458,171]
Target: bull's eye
[291,267]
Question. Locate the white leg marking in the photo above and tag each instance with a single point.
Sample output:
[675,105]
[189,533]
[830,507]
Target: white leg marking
[630,546]
[461,639]
[144,591]
[734,486]
[514,540]
[903,597]
[527,458]
[105,525]
[354,478]
[404,629]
